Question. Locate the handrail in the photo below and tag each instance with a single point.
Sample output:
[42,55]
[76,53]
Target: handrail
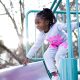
[64,12]
[53,4]
[57,5]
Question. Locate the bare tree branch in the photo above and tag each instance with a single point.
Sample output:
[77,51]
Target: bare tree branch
[72,3]
[11,53]
[7,12]
[22,14]
[20,36]
[3,14]
[7,63]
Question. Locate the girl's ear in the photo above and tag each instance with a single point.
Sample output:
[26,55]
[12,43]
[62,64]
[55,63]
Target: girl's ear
[47,22]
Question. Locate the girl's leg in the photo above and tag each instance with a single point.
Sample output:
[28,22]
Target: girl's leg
[49,58]
[61,53]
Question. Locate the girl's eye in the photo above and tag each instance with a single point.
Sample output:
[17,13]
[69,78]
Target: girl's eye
[38,22]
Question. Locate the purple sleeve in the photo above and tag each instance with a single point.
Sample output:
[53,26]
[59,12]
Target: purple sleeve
[36,46]
[63,26]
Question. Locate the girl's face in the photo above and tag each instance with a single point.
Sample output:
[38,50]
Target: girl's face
[42,24]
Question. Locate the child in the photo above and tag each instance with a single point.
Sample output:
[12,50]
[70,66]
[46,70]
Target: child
[51,31]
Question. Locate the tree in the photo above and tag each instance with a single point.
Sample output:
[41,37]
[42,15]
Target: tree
[19,30]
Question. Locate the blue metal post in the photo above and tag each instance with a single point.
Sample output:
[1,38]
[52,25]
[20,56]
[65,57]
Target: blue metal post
[53,4]
[68,69]
[70,47]
[69,65]
[55,8]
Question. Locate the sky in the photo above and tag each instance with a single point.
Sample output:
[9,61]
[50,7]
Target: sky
[7,31]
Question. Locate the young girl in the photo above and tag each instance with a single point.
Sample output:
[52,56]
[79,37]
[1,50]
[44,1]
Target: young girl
[53,32]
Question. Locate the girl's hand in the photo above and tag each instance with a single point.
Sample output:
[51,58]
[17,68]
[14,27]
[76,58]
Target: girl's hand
[25,61]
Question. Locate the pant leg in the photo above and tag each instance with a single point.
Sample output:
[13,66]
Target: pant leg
[61,53]
[49,58]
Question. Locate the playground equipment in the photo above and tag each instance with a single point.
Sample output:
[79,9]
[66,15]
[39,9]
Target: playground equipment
[68,69]
[32,71]
[69,66]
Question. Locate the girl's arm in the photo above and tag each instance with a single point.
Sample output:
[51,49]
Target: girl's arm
[63,26]
[36,46]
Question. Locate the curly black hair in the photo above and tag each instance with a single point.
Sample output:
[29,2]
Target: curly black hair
[47,14]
